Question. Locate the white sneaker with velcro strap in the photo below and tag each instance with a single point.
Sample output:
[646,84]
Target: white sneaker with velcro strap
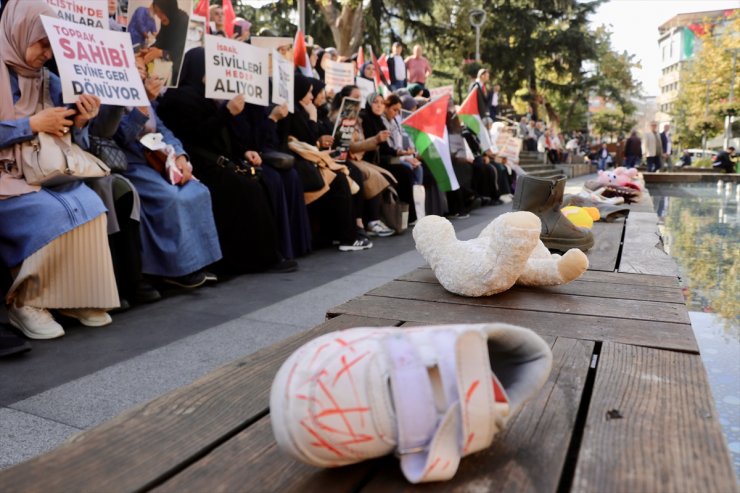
[430,394]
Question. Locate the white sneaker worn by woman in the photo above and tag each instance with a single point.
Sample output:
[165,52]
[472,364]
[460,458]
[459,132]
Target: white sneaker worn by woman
[35,323]
[90,317]
[378,228]
[431,394]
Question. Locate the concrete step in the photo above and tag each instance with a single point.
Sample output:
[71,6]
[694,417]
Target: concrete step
[545,173]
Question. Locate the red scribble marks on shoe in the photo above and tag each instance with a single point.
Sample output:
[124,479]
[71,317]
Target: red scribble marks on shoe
[471,391]
[498,392]
[346,367]
[312,400]
[317,352]
[316,377]
[447,464]
[431,467]
[320,442]
[468,442]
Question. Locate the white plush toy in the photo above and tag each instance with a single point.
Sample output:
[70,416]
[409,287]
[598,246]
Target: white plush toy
[508,251]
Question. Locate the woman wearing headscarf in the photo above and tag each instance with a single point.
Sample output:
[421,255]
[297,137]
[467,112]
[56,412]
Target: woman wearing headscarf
[387,157]
[178,233]
[330,207]
[53,239]
[245,221]
[170,40]
[374,178]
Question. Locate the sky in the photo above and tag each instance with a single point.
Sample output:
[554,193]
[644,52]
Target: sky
[634,24]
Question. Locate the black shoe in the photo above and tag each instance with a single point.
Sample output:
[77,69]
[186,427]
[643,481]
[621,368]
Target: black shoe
[485,201]
[11,344]
[284,266]
[190,281]
[146,293]
[125,305]
[210,276]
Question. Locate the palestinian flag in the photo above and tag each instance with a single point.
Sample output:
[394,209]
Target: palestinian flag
[470,116]
[381,83]
[427,127]
[300,54]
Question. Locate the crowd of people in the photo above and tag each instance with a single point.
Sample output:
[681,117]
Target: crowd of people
[254,189]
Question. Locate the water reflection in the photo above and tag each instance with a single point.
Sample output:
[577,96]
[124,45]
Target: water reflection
[700,224]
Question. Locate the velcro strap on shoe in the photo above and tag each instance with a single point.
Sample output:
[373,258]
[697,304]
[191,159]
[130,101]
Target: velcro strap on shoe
[483,403]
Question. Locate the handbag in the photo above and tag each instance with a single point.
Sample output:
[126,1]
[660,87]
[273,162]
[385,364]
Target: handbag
[310,175]
[279,160]
[48,160]
[108,151]
[395,214]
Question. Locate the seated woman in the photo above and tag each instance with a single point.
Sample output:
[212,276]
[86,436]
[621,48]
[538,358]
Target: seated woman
[409,184]
[374,178]
[330,207]
[53,239]
[178,233]
[246,223]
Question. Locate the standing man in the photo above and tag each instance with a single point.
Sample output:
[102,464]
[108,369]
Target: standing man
[483,94]
[665,139]
[397,67]
[418,68]
[652,148]
[495,101]
[632,150]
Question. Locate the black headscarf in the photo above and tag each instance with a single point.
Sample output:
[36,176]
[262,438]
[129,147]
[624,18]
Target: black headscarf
[193,70]
[301,86]
[319,69]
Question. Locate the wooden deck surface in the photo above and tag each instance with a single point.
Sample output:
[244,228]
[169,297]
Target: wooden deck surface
[627,406]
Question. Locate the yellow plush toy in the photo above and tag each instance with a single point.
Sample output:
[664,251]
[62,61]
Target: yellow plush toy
[581,216]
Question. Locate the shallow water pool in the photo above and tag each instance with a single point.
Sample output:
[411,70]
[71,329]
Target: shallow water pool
[700,224]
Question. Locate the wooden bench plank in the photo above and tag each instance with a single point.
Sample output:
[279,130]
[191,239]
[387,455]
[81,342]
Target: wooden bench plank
[596,328]
[633,279]
[530,300]
[643,248]
[147,444]
[530,453]
[582,288]
[607,241]
[652,426]
[251,461]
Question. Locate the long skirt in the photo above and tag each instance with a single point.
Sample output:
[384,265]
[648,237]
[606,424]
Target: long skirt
[285,191]
[72,271]
[178,232]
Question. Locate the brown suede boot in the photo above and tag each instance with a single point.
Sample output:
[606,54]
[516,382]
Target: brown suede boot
[543,197]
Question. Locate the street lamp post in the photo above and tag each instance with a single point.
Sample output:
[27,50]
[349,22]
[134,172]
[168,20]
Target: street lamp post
[477,17]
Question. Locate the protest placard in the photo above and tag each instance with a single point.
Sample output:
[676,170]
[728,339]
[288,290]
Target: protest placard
[441,91]
[233,67]
[511,149]
[283,73]
[367,87]
[337,75]
[344,128]
[95,61]
[90,13]
[283,45]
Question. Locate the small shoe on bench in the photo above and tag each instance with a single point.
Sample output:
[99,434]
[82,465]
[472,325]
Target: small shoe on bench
[430,394]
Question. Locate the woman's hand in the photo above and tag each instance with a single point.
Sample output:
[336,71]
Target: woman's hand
[185,168]
[253,158]
[53,121]
[279,112]
[153,86]
[325,141]
[383,136]
[87,106]
[236,105]
[310,108]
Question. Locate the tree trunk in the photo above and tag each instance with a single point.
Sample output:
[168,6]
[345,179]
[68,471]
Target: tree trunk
[347,26]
